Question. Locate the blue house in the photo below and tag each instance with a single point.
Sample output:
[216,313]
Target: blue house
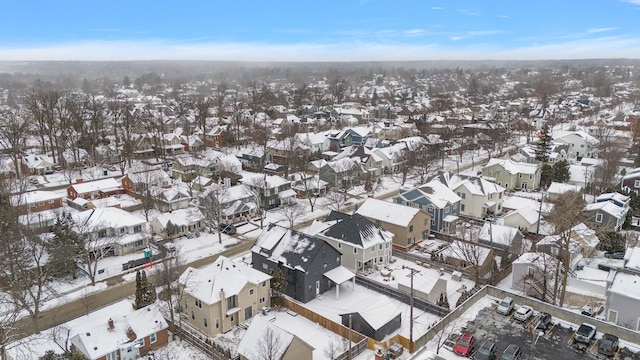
[359,135]
[436,199]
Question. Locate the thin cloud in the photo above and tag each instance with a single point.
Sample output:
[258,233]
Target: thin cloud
[484,32]
[504,16]
[470,12]
[414,31]
[601,30]
[612,46]
[636,2]
[437,8]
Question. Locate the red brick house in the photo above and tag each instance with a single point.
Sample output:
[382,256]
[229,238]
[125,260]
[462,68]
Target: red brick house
[36,201]
[94,189]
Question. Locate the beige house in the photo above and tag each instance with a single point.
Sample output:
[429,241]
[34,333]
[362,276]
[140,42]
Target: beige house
[513,175]
[222,295]
[409,225]
[263,335]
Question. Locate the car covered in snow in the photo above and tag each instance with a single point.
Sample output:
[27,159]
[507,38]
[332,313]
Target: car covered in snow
[523,313]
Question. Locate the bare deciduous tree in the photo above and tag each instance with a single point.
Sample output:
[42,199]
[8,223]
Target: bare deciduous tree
[211,203]
[167,274]
[270,346]
[293,212]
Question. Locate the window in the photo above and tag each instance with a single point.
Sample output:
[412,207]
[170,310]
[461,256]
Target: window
[380,247]
[613,316]
[217,323]
[355,250]
[263,284]
[41,203]
[378,221]
[112,356]
[339,245]
[433,222]
[582,146]
[426,221]
[193,315]
[598,217]
[531,271]
[231,302]
[461,207]
[447,209]
[251,291]
[199,303]
[380,260]
[636,184]
[262,300]
[102,234]
[205,323]
[139,243]
[152,338]
[463,195]
[530,177]
[51,201]
[265,266]
[410,228]
[122,230]
[137,229]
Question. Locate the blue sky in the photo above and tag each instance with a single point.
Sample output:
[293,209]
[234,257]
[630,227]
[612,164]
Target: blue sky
[319,30]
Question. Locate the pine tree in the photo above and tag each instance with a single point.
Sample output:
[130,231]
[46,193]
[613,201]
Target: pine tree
[561,171]
[149,293]
[543,146]
[139,291]
[65,248]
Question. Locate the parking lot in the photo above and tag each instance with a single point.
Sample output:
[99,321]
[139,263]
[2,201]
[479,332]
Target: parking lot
[556,343]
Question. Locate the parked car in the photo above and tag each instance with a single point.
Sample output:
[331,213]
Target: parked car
[486,351]
[227,229]
[523,314]
[585,333]
[506,306]
[609,345]
[544,321]
[614,255]
[171,247]
[512,352]
[464,346]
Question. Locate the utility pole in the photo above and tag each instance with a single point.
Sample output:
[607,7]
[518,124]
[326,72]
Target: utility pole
[350,337]
[412,272]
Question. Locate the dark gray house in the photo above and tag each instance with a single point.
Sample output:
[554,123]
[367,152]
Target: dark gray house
[303,259]
[377,320]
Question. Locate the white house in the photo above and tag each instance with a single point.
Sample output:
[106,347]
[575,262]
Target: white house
[580,144]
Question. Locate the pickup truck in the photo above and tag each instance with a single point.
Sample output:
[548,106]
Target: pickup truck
[586,332]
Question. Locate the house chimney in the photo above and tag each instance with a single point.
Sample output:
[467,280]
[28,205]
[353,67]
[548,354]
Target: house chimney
[110,322]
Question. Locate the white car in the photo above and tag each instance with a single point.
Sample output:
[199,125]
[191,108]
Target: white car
[523,314]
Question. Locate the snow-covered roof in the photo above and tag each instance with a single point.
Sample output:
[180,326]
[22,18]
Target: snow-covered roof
[108,184]
[379,312]
[224,275]
[32,197]
[561,188]
[626,284]
[439,194]
[339,275]
[528,213]
[498,234]
[469,253]
[180,217]
[513,167]
[388,212]
[354,229]
[632,258]
[250,344]
[539,259]
[607,207]
[107,218]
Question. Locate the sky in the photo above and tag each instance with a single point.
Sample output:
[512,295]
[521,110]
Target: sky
[319,30]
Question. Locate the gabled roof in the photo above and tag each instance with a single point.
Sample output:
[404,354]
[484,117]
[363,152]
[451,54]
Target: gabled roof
[389,212]
[249,346]
[224,275]
[513,167]
[293,249]
[108,184]
[434,191]
[355,229]
[104,218]
[607,207]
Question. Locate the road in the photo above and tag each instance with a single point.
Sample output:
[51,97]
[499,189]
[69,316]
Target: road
[118,289]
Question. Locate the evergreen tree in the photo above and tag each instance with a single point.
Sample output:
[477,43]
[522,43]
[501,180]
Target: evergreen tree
[139,291]
[543,146]
[561,171]
[65,248]
[149,294]
[546,174]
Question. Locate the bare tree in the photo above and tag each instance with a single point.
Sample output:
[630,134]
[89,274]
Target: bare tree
[334,348]
[335,200]
[211,203]
[166,278]
[567,212]
[448,329]
[270,346]
[338,89]
[293,212]
[13,137]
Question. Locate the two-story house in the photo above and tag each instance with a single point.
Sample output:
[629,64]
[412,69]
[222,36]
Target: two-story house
[213,137]
[222,295]
[363,244]
[360,135]
[434,197]
[316,142]
[171,198]
[579,144]
[115,231]
[623,298]
[188,167]
[369,161]
[609,211]
[342,173]
[410,225]
[479,197]
[631,181]
[272,190]
[303,259]
[512,175]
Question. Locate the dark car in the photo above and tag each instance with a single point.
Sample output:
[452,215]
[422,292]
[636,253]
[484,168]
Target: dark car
[544,321]
[464,346]
[512,352]
[615,255]
[227,229]
[608,345]
[486,351]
